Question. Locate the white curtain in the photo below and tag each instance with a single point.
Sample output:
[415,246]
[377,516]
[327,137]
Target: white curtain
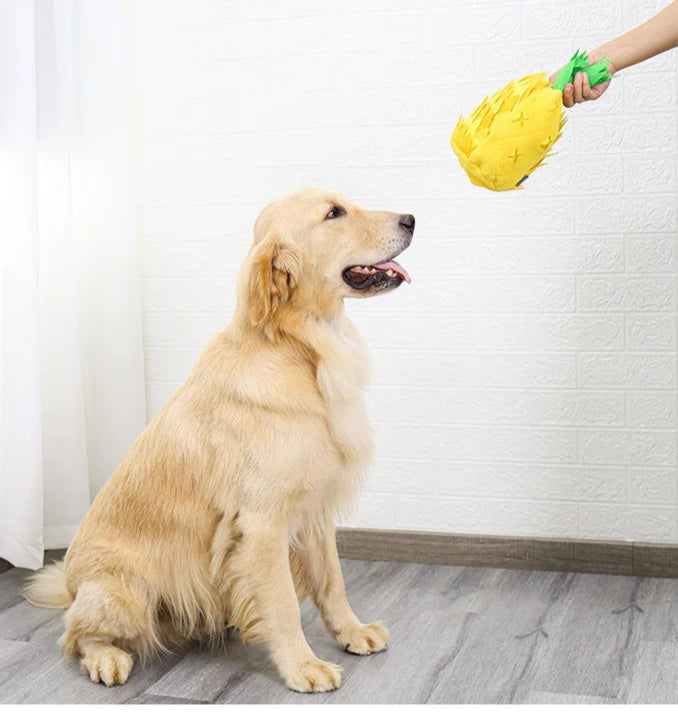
[71,361]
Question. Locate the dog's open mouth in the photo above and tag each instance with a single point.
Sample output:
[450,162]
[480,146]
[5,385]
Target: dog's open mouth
[379,276]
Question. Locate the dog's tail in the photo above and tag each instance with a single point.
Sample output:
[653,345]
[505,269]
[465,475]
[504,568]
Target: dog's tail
[47,588]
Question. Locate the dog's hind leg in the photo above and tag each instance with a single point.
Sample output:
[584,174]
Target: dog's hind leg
[104,662]
[109,618]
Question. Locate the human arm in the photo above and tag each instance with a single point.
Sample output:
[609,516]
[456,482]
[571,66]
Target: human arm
[657,35]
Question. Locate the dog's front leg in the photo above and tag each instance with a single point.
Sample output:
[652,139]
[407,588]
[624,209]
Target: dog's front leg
[268,603]
[316,565]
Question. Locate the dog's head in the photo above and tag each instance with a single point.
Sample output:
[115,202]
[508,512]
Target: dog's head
[314,247]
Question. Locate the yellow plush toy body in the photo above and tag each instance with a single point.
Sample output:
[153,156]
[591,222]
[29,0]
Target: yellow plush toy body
[510,134]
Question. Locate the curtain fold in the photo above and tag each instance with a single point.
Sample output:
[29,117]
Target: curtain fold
[72,395]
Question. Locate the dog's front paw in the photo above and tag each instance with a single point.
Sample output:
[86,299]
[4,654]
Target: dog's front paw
[107,664]
[364,639]
[314,676]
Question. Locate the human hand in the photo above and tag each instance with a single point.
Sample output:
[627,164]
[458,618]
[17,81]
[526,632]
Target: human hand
[580,90]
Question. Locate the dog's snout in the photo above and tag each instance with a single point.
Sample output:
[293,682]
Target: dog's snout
[407,221]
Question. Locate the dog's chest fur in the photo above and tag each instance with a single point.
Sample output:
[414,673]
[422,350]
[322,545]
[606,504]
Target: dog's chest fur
[342,372]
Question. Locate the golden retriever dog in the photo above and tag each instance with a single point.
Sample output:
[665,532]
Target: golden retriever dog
[222,513]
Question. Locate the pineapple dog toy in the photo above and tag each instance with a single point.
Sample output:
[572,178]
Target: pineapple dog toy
[510,134]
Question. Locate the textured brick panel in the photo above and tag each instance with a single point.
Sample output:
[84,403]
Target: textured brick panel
[525,383]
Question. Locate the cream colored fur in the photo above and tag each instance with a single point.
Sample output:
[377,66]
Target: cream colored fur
[221,515]
[49,590]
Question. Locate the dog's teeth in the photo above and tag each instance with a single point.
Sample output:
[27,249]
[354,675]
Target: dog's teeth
[390,272]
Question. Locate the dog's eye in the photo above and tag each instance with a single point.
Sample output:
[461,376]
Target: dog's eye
[336,212]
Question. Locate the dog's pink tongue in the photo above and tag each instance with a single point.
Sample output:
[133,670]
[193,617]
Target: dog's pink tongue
[392,264]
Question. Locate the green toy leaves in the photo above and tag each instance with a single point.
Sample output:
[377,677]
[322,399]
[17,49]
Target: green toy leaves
[598,71]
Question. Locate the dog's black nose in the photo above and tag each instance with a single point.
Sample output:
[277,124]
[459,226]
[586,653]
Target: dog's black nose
[407,221]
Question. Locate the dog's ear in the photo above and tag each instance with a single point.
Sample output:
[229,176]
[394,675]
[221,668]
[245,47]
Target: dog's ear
[274,273]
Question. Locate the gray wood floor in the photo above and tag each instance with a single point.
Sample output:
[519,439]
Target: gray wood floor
[458,635]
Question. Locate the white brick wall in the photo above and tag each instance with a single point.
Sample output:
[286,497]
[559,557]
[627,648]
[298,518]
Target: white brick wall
[525,383]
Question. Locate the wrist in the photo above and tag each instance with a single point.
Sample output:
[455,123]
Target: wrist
[612,55]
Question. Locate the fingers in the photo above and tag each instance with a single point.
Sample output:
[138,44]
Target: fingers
[579,90]
[586,91]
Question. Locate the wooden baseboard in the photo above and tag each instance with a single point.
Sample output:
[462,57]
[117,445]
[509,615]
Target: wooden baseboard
[623,558]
